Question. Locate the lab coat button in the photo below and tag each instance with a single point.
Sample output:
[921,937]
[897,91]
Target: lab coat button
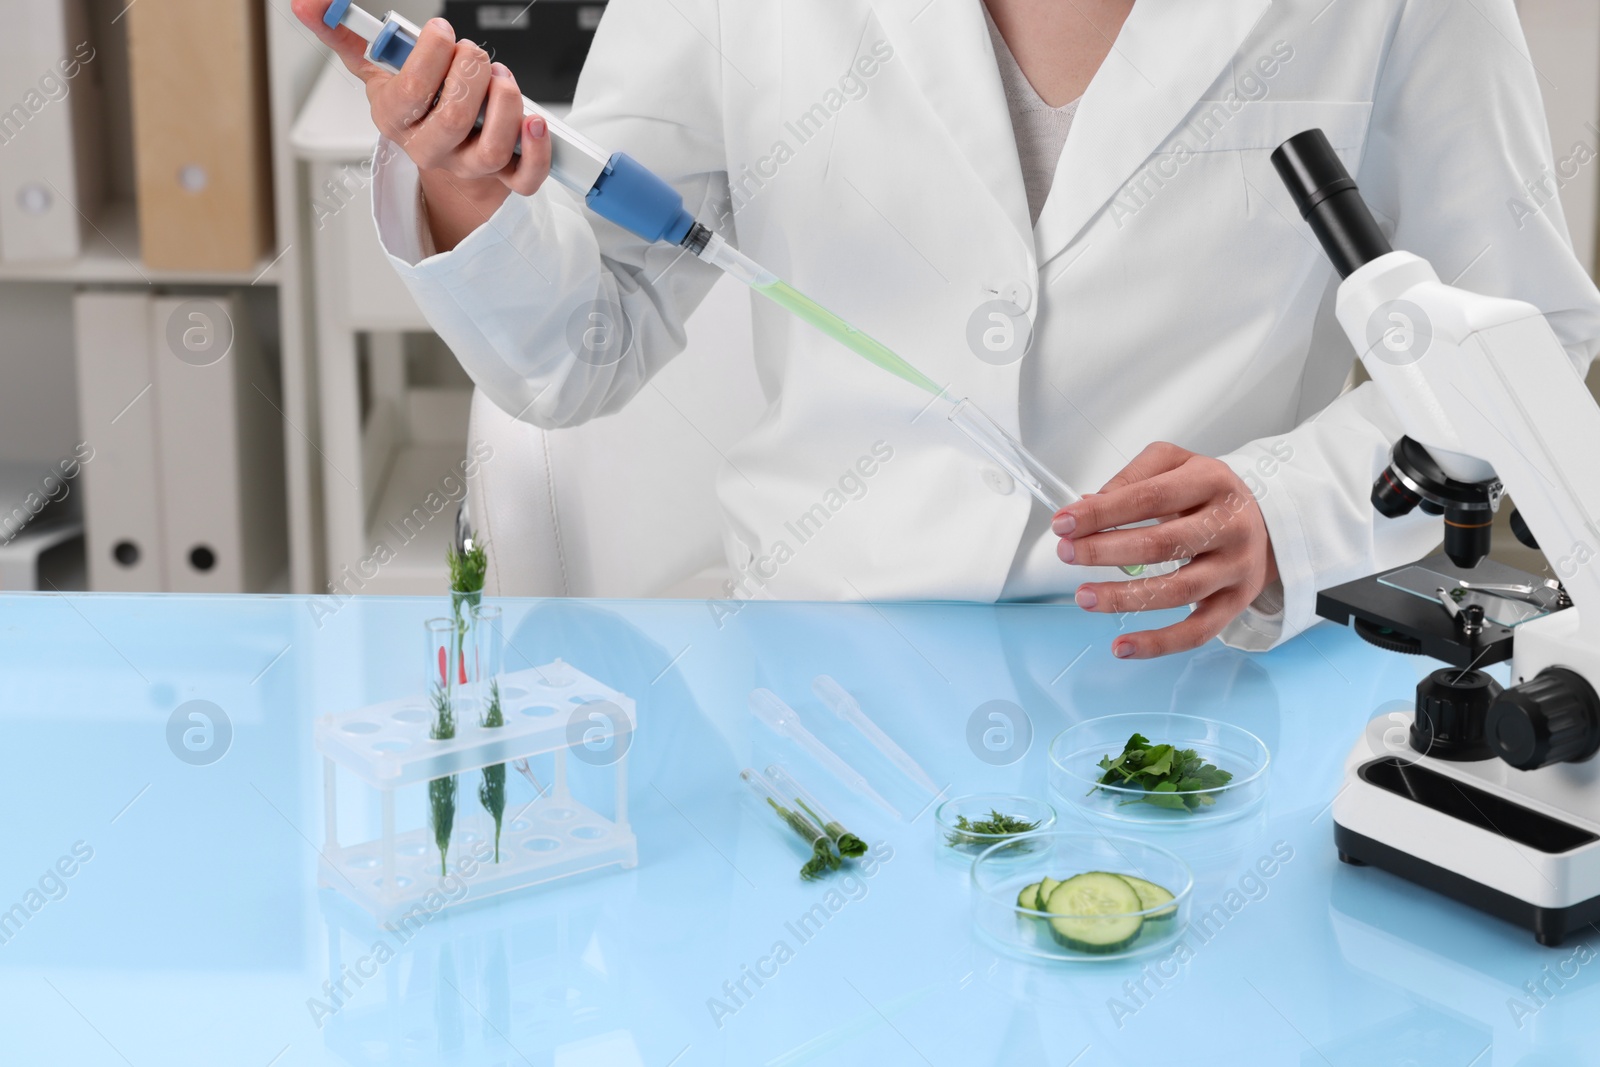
[998,480]
[1012,291]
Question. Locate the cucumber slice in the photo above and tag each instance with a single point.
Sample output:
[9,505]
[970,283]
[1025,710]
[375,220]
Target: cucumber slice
[1046,887]
[1029,897]
[1151,896]
[1091,913]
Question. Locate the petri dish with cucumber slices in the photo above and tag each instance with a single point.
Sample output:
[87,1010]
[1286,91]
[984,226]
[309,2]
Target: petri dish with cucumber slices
[1080,896]
[1160,768]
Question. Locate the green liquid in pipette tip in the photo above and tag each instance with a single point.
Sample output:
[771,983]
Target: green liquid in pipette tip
[786,296]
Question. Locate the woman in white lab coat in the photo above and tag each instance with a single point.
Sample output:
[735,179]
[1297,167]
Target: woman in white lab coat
[867,151]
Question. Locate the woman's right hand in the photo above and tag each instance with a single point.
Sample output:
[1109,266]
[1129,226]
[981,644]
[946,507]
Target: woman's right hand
[430,109]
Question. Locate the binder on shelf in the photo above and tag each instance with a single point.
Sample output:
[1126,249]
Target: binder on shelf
[117,421]
[184,489]
[51,167]
[220,444]
[198,77]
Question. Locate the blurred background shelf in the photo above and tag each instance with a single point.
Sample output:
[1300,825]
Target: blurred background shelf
[92,54]
[111,257]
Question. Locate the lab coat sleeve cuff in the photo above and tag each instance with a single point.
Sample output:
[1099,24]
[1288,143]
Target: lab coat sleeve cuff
[400,214]
[397,206]
[1294,596]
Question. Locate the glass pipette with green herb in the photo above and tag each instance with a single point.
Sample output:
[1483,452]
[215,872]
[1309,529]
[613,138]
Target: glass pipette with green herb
[823,858]
[848,844]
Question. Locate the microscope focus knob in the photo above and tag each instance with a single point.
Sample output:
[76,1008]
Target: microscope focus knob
[1554,718]
[1452,707]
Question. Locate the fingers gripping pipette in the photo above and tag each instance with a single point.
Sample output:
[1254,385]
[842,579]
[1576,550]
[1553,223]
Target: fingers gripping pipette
[613,184]
[770,709]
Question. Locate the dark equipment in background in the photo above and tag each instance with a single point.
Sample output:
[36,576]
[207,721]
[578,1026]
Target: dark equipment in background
[544,43]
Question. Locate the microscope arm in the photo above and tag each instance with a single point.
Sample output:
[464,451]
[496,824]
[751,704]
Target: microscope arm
[1487,388]
[1488,398]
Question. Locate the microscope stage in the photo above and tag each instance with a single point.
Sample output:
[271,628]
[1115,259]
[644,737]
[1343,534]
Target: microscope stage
[1394,611]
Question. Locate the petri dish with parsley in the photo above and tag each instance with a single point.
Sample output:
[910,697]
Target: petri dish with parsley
[1159,768]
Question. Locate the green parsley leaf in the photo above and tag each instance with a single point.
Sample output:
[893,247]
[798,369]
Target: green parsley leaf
[1173,778]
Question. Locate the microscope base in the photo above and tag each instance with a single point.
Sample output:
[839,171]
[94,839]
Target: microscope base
[1550,926]
[1455,828]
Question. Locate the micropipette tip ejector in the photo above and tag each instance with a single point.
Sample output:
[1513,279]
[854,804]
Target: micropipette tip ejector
[842,704]
[771,709]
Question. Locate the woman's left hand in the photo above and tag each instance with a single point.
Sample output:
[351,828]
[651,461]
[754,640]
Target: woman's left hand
[1207,515]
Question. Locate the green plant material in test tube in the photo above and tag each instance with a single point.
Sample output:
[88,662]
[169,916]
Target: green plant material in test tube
[467,572]
[492,790]
[823,859]
[848,844]
[442,791]
[786,296]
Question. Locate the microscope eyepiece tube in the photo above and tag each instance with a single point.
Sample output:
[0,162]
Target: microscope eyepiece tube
[1329,201]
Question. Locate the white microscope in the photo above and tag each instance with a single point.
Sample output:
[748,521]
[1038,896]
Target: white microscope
[1492,796]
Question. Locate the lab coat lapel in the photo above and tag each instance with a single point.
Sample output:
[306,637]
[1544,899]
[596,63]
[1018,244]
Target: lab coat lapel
[1168,53]
[945,45]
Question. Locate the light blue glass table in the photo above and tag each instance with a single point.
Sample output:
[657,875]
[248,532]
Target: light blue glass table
[169,911]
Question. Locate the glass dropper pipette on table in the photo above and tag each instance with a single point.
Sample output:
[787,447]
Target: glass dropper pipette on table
[770,709]
[616,187]
[842,704]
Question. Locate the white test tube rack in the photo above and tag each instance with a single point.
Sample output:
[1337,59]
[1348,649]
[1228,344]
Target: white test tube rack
[386,747]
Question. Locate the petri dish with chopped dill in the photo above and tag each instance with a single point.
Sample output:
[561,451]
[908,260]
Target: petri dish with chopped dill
[967,825]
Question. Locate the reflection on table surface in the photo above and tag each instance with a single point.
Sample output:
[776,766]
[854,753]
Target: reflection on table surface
[164,908]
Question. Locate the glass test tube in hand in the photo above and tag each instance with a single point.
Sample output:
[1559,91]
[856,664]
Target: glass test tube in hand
[1028,470]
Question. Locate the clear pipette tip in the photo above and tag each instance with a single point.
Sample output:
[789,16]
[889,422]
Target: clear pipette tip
[842,704]
[770,709]
[527,772]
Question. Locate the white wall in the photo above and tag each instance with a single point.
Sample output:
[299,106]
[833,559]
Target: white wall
[1564,40]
